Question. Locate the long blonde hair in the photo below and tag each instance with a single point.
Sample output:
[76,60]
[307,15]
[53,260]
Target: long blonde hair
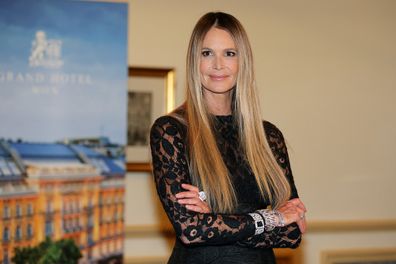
[207,168]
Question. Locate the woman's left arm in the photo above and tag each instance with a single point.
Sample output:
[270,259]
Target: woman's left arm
[290,235]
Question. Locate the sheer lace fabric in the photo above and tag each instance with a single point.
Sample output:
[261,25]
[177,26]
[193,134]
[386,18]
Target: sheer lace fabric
[170,168]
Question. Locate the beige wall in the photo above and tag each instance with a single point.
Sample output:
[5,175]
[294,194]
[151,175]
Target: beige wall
[327,77]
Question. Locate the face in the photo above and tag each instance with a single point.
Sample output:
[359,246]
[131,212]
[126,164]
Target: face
[219,62]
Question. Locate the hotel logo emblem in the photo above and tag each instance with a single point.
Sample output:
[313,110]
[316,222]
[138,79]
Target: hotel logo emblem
[45,52]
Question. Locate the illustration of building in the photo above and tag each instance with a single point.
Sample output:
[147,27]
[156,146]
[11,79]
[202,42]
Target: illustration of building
[61,191]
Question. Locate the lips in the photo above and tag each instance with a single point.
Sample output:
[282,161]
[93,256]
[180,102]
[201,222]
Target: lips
[218,77]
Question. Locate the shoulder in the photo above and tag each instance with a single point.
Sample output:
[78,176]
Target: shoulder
[167,136]
[168,124]
[166,120]
[272,132]
[175,119]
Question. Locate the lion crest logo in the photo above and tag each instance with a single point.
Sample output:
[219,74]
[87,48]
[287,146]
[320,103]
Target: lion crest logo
[45,52]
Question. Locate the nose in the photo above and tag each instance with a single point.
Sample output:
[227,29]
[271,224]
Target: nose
[218,63]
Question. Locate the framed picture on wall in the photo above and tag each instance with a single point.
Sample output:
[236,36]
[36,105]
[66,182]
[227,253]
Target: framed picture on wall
[150,95]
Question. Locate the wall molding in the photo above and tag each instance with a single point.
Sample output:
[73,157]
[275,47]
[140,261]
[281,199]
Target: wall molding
[352,225]
[136,231]
[361,255]
[145,260]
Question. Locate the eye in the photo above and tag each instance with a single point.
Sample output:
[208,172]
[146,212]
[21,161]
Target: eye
[206,53]
[230,53]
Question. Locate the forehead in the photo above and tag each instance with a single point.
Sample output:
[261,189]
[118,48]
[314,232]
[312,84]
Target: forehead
[217,37]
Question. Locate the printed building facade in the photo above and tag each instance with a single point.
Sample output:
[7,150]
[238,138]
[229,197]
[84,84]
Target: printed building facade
[61,191]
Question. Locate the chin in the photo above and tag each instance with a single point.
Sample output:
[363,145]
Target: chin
[219,89]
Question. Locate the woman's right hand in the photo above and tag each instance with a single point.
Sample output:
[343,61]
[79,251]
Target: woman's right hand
[190,199]
[293,211]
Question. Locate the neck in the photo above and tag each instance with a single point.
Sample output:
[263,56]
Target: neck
[219,104]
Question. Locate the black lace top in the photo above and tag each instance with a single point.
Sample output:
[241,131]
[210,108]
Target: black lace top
[170,169]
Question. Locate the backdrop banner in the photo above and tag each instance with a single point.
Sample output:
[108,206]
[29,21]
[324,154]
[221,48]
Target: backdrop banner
[63,119]
[63,70]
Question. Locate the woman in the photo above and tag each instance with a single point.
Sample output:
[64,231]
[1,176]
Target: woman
[216,142]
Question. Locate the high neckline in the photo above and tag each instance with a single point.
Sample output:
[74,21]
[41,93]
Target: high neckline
[221,116]
[224,121]
[229,117]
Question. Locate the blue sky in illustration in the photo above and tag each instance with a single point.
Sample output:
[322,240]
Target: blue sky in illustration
[94,44]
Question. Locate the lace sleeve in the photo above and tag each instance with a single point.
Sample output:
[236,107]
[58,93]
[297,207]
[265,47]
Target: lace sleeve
[281,237]
[170,169]
[277,144]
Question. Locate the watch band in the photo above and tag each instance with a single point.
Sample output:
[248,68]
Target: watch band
[271,219]
[258,223]
[281,219]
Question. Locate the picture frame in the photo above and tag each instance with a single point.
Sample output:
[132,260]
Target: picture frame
[150,95]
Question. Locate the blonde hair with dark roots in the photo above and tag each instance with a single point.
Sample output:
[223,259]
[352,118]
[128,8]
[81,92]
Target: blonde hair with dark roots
[207,168]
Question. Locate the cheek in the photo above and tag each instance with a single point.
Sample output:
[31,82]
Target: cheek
[235,68]
[203,66]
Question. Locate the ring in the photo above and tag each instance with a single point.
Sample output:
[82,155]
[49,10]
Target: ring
[302,216]
[202,196]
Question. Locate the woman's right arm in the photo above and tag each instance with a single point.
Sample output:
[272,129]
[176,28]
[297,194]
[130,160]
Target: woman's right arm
[170,169]
[288,236]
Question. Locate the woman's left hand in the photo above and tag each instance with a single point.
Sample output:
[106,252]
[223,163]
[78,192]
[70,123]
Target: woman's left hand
[294,211]
[191,200]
